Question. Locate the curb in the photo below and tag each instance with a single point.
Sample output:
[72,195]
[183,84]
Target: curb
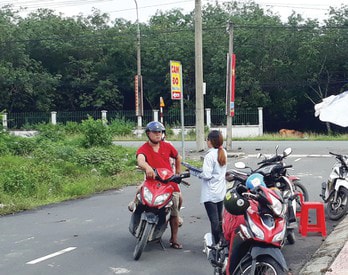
[326,254]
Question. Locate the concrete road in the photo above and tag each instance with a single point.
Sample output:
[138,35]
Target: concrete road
[90,236]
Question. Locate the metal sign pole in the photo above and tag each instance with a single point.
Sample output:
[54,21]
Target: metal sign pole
[182,117]
[177,94]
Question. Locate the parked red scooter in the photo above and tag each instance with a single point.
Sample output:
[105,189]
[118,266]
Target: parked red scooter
[257,233]
[150,217]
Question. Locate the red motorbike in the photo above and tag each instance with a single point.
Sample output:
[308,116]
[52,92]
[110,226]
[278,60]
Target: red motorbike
[150,218]
[256,239]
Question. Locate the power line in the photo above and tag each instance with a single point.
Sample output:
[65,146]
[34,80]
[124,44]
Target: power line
[32,5]
[45,4]
[313,6]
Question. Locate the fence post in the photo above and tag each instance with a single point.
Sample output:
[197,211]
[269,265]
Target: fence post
[104,119]
[208,116]
[4,121]
[155,115]
[54,118]
[260,121]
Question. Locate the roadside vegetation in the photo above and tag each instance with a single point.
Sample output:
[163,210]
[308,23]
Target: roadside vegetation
[62,163]
[306,136]
[88,62]
[75,160]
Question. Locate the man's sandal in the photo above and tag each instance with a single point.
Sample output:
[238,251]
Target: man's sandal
[176,245]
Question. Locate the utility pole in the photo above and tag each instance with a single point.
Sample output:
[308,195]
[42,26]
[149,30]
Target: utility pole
[139,80]
[199,77]
[228,88]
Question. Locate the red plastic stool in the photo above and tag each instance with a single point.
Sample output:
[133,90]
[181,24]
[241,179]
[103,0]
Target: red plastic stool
[319,226]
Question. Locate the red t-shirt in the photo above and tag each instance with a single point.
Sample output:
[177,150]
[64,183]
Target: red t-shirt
[160,159]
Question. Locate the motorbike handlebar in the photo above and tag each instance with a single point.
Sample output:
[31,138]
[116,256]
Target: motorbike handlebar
[334,154]
[185,183]
[185,174]
[177,178]
[287,166]
[275,158]
[340,158]
[249,195]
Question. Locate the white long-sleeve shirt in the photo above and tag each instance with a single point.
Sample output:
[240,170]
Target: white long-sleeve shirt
[213,178]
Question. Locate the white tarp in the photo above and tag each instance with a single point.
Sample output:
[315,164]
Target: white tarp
[333,109]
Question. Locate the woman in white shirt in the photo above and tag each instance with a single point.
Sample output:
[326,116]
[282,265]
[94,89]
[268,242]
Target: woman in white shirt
[213,182]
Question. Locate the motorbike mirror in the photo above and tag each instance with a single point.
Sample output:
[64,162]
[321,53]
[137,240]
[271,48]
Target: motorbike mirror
[240,165]
[287,152]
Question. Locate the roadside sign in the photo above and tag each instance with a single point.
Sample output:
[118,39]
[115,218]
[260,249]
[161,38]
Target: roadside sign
[138,91]
[176,80]
[177,94]
[231,84]
[162,102]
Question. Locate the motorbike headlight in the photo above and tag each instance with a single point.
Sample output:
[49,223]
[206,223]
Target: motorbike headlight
[161,199]
[256,230]
[147,195]
[276,205]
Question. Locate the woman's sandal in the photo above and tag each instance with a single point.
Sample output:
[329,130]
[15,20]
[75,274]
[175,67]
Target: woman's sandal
[176,245]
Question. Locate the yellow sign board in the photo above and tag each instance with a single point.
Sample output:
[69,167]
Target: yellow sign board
[176,77]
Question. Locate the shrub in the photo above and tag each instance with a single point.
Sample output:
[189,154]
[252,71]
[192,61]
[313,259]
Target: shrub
[4,139]
[21,146]
[95,133]
[121,127]
[65,152]
[29,180]
[72,127]
[108,161]
[50,131]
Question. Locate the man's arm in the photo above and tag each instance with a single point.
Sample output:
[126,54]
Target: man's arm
[178,164]
[143,165]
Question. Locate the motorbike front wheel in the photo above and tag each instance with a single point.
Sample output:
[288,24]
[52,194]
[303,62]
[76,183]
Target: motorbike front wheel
[264,265]
[142,241]
[291,236]
[337,209]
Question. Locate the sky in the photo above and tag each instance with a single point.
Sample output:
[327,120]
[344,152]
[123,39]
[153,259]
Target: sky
[146,8]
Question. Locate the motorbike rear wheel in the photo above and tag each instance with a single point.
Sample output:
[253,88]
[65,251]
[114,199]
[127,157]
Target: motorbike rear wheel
[142,241]
[337,209]
[265,265]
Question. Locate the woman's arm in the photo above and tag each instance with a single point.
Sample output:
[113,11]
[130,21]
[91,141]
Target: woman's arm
[208,166]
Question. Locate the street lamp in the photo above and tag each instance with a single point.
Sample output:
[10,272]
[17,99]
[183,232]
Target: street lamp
[138,78]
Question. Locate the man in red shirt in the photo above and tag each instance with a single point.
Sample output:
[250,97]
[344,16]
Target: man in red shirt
[156,153]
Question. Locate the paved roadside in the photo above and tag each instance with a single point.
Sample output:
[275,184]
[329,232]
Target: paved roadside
[332,256]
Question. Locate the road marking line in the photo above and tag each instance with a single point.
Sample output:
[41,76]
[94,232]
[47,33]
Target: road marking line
[27,239]
[51,255]
[294,156]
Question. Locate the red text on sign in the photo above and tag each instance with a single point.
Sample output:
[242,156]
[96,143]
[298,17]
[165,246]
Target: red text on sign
[175,69]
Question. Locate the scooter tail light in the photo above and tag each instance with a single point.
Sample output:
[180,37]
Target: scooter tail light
[161,199]
[147,195]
